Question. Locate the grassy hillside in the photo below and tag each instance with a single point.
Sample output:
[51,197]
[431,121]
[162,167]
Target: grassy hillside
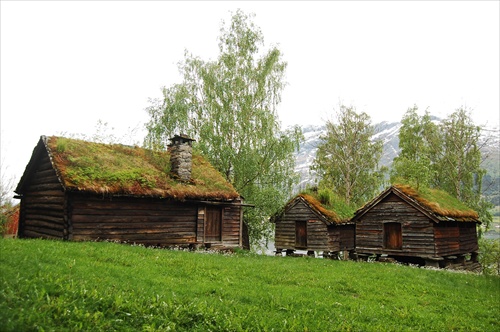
[63,286]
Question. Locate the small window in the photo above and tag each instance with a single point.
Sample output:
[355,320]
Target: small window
[393,237]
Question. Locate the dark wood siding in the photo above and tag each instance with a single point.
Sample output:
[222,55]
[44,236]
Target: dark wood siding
[285,231]
[231,225]
[320,236]
[140,220]
[43,204]
[416,228]
[341,237]
[158,222]
[468,237]
[285,227]
[447,237]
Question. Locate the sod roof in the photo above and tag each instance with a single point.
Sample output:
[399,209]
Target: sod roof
[334,211]
[438,204]
[114,169]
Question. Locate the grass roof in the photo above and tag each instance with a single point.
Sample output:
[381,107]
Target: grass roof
[439,202]
[328,204]
[124,170]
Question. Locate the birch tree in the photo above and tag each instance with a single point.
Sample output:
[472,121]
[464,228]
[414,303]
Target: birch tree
[459,165]
[229,105]
[419,142]
[445,156]
[347,159]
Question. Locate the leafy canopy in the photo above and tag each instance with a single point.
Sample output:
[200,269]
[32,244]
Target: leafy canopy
[418,139]
[229,105]
[445,156]
[347,160]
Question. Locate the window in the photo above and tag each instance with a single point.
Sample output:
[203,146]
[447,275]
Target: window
[393,238]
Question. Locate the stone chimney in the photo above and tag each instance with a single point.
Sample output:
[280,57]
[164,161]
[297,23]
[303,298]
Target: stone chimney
[181,157]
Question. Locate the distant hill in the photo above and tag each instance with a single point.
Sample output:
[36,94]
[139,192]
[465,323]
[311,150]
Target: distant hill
[388,133]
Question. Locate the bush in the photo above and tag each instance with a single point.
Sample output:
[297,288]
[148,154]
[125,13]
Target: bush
[489,256]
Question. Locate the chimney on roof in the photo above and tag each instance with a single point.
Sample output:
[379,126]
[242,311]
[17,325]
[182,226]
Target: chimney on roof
[181,153]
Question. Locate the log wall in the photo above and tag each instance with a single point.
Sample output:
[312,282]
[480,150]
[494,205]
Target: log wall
[417,229]
[158,222]
[144,221]
[447,236]
[43,204]
[341,238]
[231,225]
[455,238]
[320,237]
[468,237]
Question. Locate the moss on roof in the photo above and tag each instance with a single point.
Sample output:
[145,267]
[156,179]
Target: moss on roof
[124,170]
[439,202]
[328,204]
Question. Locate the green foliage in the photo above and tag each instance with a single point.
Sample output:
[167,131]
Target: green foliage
[489,256]
[460,171]
[326,196]
[332,202]
[347,160]
[418,139]
[69,286]
[444,156]
[229,106]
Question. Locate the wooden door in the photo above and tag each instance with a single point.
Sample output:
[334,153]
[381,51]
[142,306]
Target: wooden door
[213,224]
[393,238]
[300,234]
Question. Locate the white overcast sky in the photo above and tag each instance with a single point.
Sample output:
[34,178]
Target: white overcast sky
[66,65]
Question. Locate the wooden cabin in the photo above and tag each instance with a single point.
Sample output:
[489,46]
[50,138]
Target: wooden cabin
[430,228]
[77,190]
[307,224]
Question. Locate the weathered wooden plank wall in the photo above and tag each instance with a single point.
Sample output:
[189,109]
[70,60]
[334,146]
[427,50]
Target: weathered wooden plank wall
[468,237]
[231,226]
[42,206]
[417,229]
[347,236]
[320,237]
[447,238]
[145,221]
[285,226]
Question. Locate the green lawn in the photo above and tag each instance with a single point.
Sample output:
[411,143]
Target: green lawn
[92,286]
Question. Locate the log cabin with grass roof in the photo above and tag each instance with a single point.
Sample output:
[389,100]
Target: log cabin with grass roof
[314,221]
[78,190]
[425,227]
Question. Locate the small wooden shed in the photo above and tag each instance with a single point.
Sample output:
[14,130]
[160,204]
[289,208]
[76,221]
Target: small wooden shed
[307,224]
[430,227]
[78,190]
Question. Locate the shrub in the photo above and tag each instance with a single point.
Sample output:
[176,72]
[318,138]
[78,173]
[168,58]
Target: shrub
[489,256]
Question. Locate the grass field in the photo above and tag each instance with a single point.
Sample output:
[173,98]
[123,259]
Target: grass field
[97,286]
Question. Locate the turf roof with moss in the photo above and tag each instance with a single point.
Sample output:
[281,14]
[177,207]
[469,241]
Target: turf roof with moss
[437,203]
[116,169]
[325,203]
